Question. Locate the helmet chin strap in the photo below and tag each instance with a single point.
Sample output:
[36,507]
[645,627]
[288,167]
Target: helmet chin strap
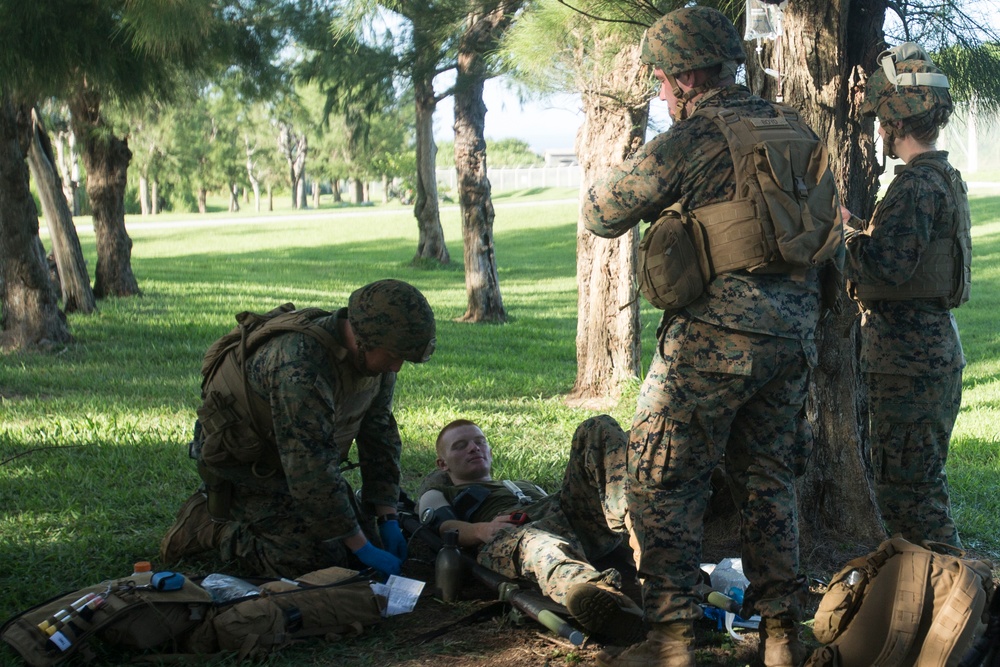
[889,142]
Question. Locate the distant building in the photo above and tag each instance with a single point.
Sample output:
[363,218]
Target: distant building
[560,157]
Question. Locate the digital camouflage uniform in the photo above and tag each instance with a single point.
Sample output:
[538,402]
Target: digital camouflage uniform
[290,514]
[728,380]
[583,521]
[910,353]
[910,350]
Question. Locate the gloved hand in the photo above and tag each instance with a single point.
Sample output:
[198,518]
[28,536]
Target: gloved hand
[392,539]
[381,560]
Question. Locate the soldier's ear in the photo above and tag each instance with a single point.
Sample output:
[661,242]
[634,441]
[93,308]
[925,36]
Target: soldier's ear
[441,465]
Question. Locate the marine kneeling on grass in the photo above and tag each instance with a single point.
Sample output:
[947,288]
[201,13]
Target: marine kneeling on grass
[551,540]
[285,395]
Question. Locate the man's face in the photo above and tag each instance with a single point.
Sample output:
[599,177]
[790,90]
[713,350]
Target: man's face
[380,360]
[666,90]
[464,453]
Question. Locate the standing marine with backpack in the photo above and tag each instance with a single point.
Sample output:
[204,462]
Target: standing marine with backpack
[728,379]
[908,267]
[285,395]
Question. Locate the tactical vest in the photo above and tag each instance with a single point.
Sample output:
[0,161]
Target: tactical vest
[236,422]
[786,212]
[945,268]
[785,217]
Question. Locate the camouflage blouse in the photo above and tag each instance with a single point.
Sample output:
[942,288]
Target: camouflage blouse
[913,337]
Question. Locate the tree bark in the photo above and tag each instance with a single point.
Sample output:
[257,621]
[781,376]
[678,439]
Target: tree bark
[607,330]
[482,283]
[143,195]
[430,241]
[29,311]
[68,168]
[106,159]
[74,281]
[825,48]
[234,197]
[154,197]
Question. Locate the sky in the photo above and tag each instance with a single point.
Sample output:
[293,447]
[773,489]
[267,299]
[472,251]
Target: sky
[544,125]
[551,124]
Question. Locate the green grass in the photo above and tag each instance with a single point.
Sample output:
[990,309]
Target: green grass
[110,415]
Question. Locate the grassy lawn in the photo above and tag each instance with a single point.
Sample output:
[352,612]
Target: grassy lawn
[93,438]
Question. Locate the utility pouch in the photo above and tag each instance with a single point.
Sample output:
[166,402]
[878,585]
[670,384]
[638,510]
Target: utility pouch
[229,438]
[332,604]
[671,272]
[219,491]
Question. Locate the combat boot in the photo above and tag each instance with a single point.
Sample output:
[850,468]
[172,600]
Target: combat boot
[666,645]
[604,610]
[193,532]
[779,643]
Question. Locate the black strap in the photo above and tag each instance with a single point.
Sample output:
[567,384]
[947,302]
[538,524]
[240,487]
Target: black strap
[486,613]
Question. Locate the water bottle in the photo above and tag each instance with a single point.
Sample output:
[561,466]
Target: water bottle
[449,568]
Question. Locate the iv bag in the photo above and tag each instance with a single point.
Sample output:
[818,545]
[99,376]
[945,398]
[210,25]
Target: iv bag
[764,19]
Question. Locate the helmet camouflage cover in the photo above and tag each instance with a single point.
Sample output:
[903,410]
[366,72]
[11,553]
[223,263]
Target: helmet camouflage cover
[905,85]
[394,315]
[691,38]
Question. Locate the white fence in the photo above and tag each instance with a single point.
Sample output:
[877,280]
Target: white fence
[520,178]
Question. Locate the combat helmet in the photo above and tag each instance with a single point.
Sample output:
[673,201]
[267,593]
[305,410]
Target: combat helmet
[394,315]
[905,85]
[691,38]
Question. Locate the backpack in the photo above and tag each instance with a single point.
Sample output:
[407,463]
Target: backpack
[902,605]
[128,612]
[785,217]
[131,613]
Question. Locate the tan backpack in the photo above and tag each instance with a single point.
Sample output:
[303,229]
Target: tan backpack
[900,606]
[131,613]
[785,217]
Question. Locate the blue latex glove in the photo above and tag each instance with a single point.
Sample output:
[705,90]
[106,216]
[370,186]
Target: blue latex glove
[381,560]
[392,539]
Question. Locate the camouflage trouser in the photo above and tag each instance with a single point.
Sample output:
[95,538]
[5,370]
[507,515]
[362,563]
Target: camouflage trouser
[269,538]
[712,393]
[588,522]
[911,422]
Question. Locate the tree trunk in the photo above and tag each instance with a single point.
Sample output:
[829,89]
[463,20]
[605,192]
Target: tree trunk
[68,169]
[106,159]
[365,191]
[430,242]
[270,198]
[482,283]
[154,197]
[385,188]
[315,194]
[234,198]
[358,196]
[202,200]
[29,311]
[143,195]
[74,281]
[335,190]
[823,76]
[607,330]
